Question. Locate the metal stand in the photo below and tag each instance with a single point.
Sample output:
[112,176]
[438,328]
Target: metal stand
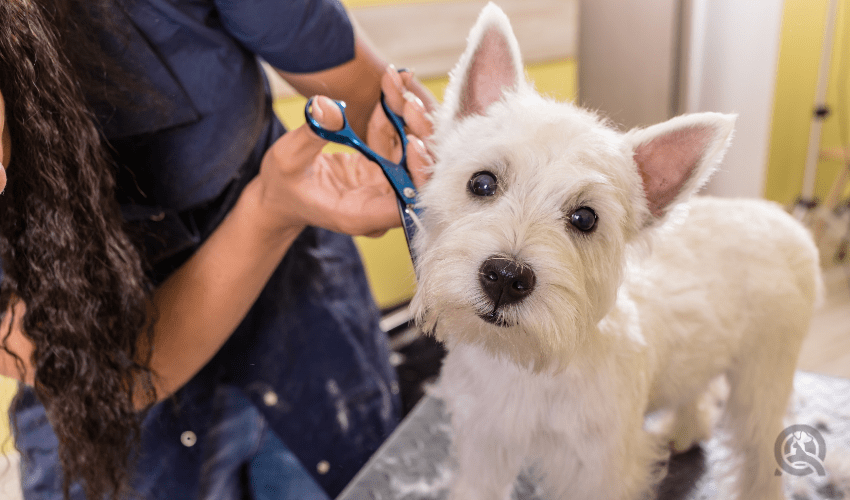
[807,199]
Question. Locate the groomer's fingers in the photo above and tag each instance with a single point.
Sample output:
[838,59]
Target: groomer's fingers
[329,115]
[296,149]
[393,88]
[416,117]
[381,135]
[419,161]
[404,96]
[419,103]
[383,138]
[412,84]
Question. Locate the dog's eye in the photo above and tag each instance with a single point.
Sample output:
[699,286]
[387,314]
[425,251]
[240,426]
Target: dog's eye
[583,219]
[482,184]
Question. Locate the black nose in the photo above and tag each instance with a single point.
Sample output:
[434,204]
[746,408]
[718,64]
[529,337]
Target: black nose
[505,281]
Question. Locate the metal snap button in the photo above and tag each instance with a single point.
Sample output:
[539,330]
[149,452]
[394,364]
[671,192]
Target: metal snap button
[323,467]
[188,439]
[270,398]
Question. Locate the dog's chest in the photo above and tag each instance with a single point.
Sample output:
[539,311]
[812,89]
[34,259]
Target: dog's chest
[480,388]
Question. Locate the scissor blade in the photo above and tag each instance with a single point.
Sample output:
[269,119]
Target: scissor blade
[409,226]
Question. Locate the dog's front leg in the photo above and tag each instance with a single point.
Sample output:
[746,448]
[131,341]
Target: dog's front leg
[600,449]
[487,466]
[605,468]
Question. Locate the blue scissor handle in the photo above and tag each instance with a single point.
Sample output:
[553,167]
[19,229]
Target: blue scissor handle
[396,173]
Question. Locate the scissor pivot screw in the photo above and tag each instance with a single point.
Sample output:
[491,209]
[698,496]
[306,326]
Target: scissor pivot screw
[409,192]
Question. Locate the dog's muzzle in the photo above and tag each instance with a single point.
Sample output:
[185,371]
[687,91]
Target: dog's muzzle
[504,281]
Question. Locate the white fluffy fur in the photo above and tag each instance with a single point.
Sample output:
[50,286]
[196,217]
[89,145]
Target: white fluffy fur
[639,315]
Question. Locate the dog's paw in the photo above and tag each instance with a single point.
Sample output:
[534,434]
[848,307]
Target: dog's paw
[693,424]
[684,441]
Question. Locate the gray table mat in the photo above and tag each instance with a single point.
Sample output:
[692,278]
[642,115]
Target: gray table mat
[414,463]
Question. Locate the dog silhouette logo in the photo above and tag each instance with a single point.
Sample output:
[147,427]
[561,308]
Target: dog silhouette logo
[800,451]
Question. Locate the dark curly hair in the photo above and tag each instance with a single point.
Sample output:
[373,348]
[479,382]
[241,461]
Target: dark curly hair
[64,252]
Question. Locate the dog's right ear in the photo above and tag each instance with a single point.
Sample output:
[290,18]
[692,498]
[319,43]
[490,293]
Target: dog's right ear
[490,66]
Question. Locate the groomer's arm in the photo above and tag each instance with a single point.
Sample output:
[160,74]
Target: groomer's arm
[14,340]
[202,303]
[357,83]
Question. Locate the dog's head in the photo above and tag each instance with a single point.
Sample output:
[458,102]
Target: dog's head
[533,204]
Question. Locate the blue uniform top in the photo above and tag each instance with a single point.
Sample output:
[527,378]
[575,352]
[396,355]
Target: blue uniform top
[304,383]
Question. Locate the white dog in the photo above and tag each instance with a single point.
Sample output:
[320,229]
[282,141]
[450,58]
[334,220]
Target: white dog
[577,289]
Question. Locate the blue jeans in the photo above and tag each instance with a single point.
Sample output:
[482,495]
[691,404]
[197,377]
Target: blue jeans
[242,459]
[247,448]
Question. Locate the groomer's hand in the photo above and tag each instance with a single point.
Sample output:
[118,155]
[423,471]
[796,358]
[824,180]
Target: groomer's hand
[413,102]
[343,192]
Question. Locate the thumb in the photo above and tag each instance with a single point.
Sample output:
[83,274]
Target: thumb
[298,148]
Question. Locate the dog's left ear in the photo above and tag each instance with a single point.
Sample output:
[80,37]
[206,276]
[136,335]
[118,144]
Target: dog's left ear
[676,158]
[490,66]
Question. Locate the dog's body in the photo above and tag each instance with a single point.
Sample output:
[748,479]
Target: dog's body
[696,307]
[577,290]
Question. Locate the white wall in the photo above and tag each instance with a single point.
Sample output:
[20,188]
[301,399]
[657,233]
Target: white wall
[734,48]
[642,61]
[627,56]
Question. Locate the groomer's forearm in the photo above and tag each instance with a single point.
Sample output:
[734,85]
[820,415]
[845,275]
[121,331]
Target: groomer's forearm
[357,82]
[202,303]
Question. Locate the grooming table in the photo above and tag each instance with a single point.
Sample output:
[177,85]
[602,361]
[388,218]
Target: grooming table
[414,463]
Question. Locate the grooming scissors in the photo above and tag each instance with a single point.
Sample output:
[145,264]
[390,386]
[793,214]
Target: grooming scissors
[396,173]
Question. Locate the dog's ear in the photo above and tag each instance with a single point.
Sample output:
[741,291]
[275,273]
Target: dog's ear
[676,158]
[490,66]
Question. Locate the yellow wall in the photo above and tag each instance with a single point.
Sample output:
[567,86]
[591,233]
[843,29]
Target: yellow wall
[803,26]
[8,388]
